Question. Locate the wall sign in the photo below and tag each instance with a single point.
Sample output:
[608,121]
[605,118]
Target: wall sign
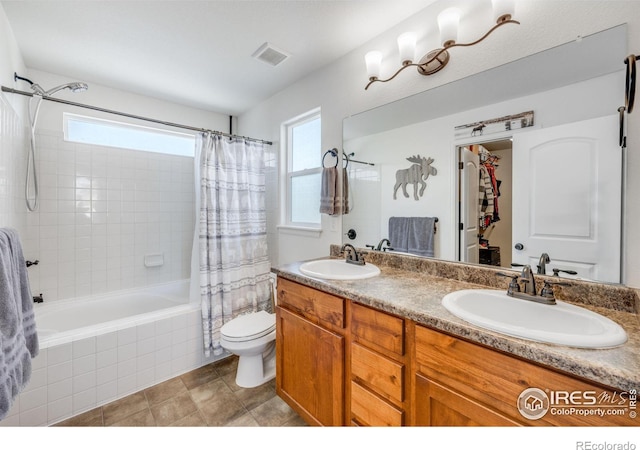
[417,174]
[492,126]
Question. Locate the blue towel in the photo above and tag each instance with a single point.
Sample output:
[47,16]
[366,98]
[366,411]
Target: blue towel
[18,337]
[414,235]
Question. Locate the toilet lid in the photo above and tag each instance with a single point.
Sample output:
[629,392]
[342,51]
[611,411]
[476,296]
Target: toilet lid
[249,326]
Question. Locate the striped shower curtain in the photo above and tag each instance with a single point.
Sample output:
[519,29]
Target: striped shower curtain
[232,233]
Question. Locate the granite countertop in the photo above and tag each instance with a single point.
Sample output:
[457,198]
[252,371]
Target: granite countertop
[402,290]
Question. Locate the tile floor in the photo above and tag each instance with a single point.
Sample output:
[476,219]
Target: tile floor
[207,396]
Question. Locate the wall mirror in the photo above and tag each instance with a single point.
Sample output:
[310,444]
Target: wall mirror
[565,87]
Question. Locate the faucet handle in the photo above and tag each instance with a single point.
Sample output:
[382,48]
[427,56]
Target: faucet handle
[547,289]
[556,272]
[513,284]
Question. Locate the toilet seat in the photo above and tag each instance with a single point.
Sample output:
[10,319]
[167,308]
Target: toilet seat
[249,327]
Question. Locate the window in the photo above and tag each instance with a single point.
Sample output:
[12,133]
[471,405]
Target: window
[89,130]
[303,170]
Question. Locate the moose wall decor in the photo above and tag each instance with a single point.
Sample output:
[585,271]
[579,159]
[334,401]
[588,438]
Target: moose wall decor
[417,174]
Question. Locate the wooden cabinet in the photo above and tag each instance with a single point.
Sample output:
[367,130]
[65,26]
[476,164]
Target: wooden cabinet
[462,383]
[310,353]
[339,362]
[377,367]
[437,406]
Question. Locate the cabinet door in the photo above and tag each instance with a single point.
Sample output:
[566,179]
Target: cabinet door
[310,369]
[438,406]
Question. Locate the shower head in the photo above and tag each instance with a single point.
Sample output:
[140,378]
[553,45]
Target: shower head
[75,86]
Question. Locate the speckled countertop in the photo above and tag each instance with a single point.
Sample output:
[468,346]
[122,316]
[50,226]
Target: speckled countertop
[414,287]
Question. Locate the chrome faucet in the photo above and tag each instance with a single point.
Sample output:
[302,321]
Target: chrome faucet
[529,292]
[529,280]
[542,264]
[379,247]
[353,257]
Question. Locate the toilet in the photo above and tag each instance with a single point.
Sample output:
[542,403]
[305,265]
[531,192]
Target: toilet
[253,338]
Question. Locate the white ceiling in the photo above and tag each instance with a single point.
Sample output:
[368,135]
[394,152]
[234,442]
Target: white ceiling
[197,53]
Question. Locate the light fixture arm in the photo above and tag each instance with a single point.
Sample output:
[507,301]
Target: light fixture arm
[433,56]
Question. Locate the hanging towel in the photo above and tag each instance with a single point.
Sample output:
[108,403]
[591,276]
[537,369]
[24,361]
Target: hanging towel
[399,233]
[345,192]
[18,338]
[329,191]
[415,235]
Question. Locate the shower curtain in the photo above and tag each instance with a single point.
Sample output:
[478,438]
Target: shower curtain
[234,266]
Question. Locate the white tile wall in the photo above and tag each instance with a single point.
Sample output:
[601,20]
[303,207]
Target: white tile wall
[13,153]
[101,211]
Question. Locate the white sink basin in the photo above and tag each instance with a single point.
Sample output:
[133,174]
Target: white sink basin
[562,324]
[338,269]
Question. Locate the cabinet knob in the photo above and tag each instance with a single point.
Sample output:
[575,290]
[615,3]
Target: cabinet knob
[519,246]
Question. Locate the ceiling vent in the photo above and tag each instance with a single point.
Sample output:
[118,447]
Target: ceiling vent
[269,54]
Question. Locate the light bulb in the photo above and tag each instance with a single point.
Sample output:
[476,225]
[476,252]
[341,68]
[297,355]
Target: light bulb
[373,59]
[407,47]
[448,21]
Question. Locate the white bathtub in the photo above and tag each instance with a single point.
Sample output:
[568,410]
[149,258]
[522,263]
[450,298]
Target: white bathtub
[67,320]
[94,350]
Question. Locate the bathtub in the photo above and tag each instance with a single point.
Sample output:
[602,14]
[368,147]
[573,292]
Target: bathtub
[67,320]
[94,350]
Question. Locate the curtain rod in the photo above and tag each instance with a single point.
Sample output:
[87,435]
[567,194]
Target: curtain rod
[133,116]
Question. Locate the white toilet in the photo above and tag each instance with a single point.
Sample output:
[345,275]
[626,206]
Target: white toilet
[253,338]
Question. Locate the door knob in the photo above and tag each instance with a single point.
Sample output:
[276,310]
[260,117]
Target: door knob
[519,246]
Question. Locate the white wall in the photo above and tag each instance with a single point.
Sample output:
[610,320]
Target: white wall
[339,90]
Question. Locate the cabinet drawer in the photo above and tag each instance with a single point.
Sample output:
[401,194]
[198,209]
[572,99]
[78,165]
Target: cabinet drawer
[315,305]
[381,374]
[369,409]
[498,380]
[377,330]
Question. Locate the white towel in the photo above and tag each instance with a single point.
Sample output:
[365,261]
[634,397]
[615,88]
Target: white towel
[18,338]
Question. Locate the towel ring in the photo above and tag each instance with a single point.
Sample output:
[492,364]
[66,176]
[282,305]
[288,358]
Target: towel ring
[334,153]
[345,157]
[630,83]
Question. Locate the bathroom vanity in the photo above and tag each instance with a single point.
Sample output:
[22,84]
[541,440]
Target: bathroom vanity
[383,351]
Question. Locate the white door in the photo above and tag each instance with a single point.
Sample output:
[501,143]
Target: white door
[571,214]
[469,192]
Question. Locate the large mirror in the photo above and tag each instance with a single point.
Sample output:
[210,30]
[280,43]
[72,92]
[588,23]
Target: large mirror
[528,125]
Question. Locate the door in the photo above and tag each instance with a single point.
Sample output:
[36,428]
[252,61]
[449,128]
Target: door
[469,197]
[573,215]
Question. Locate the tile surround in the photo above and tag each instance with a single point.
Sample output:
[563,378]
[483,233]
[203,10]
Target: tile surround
[13,142]
[101,210]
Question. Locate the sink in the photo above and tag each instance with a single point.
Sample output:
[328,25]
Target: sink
[338,269]
[562,324]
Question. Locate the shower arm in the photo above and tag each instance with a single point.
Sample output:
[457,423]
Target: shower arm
[17,77]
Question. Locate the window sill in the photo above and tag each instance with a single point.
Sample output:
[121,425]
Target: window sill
[300,231]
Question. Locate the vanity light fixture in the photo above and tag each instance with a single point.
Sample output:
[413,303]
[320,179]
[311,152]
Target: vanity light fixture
[437,59]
